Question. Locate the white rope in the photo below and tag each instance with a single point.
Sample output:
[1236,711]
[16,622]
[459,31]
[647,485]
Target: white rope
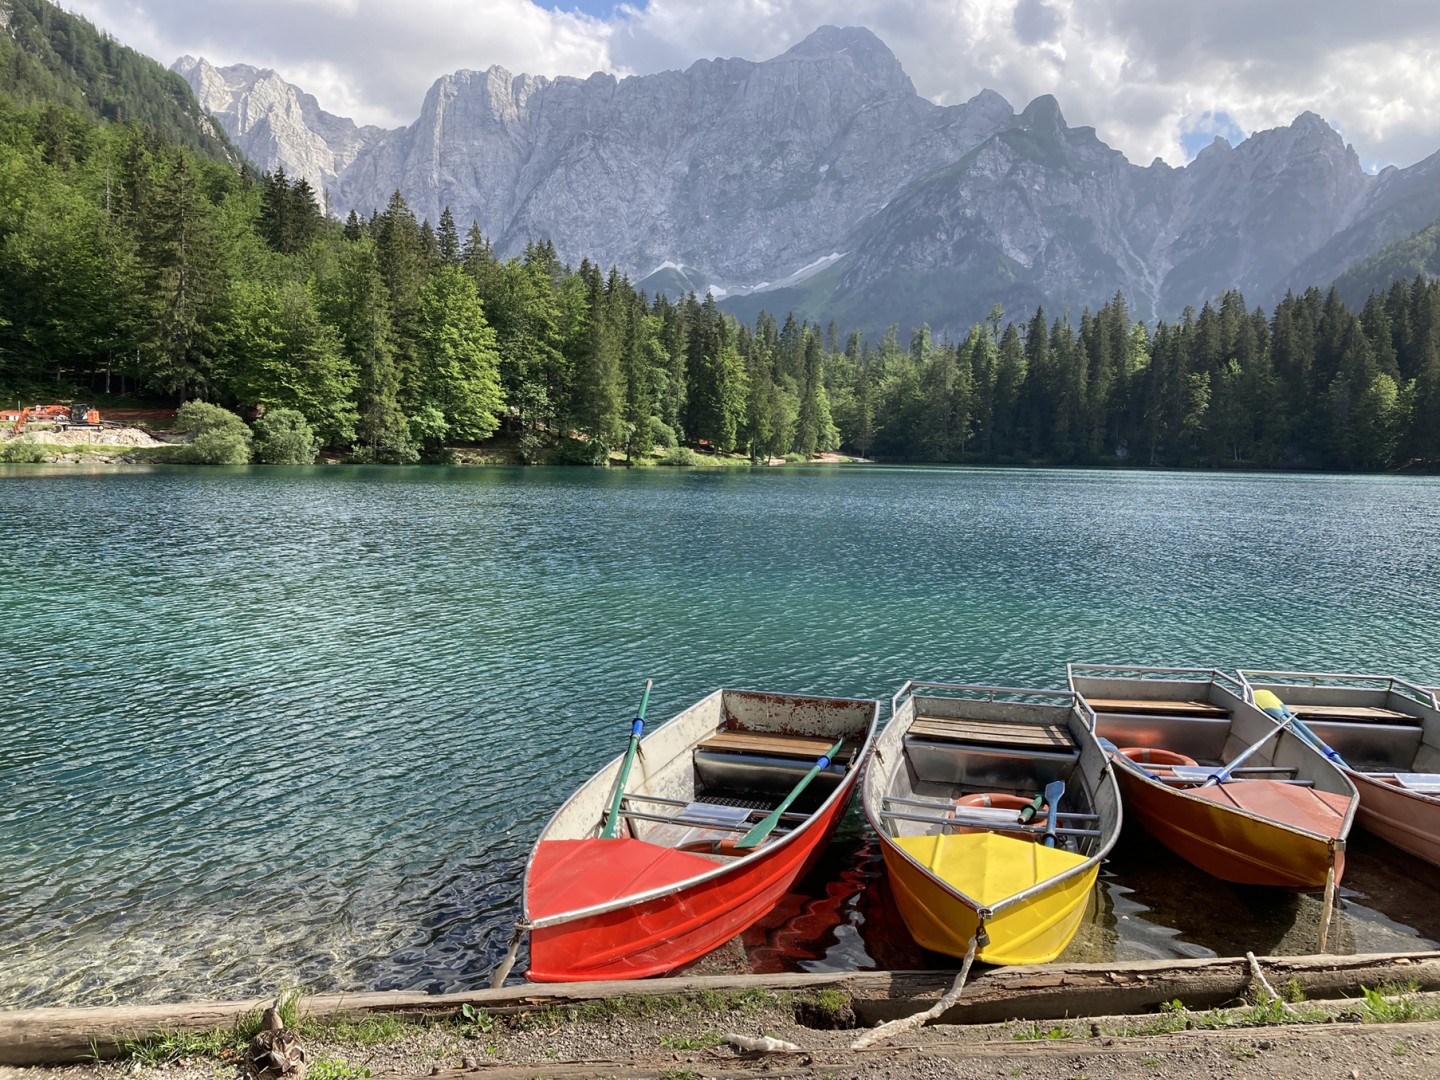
[905,1023]
[1259,977]
[503,971]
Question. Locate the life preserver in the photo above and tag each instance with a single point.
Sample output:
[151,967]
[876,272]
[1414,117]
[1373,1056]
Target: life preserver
[994,798]
[999,799]
[1148,755]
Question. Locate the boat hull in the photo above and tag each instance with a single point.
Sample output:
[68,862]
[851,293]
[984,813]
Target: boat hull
[1232,844]
[666,932]
[1407,819]
[943,792]
[943,919]
[675,882]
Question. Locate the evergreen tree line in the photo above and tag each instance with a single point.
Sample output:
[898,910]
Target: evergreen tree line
[130,265]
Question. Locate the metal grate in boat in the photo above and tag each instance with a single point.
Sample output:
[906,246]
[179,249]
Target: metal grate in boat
[729,800]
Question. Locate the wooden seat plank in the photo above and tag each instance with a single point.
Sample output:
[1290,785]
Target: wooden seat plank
[993,733]
[775,744]
[1158,707]
[1354,714]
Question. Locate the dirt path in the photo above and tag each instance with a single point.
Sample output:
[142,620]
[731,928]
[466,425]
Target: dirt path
[686,1042]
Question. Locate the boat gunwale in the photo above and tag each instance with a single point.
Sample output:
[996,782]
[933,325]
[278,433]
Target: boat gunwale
[1076,713]
[844,789]
[1423,695]
[1329,680]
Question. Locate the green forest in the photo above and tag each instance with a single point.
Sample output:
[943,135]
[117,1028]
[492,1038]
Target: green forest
[136,262]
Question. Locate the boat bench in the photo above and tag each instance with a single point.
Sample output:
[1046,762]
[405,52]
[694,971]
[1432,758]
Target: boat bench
[1041,738]
[767,761]
[1191,710]
[987,754]
[1353,714]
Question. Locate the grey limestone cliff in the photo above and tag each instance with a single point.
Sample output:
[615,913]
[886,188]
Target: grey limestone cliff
[274,124]
[819,180]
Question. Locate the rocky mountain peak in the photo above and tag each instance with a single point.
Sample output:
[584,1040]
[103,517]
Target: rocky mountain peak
[855,48]
[275,124]
[1043,117]
[819,181]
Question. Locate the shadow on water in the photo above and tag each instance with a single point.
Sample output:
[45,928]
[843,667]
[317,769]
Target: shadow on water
[1149,905]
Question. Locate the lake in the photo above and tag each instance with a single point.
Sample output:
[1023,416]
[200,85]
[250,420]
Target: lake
[276,727]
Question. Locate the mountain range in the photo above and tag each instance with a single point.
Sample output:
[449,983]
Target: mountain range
[820,182]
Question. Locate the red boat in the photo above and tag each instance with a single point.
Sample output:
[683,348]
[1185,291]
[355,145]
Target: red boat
[696,833]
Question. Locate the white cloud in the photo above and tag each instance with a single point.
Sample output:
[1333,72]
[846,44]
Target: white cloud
[1141,72]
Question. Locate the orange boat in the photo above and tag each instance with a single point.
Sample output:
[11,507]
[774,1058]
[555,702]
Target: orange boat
[1385,733]
[1216,780]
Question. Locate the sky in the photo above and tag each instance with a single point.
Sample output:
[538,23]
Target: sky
[1155,78]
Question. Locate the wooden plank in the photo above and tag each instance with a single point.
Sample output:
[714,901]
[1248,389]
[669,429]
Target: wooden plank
[1158,707]
[1047,991]
[765,742]
[1353,714]
[992,733]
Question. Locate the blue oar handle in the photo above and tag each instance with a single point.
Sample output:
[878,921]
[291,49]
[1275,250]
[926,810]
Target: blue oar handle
[611,825]
[1303,730]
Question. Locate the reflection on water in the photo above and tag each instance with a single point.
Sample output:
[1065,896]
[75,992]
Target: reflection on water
[299,727]
[1149,905]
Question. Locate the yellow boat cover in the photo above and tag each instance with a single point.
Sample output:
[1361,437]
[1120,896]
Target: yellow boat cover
[987,867]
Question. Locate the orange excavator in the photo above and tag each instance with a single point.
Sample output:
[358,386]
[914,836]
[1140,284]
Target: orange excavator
[72,415]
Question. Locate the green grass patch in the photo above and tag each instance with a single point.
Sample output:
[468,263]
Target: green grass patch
[1396,1003]
[366,1031]
[704,1041]
[1037,1031]
[328,1068]
[172,1046]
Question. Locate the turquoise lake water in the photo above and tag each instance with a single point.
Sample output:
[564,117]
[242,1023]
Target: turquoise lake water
[299,727]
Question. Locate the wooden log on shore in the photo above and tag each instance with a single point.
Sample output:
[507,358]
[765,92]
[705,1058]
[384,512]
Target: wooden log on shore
[55,1036]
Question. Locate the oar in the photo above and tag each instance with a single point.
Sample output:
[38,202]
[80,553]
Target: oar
[1054,792]
[766,825]
[612,819]
[1224,774]
[1280,711]
[1033,807]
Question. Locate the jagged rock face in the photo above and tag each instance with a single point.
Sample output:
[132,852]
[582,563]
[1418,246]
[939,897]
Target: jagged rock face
[746,170]
[275,124]
[1250,214]
[1045,214]
[743,173]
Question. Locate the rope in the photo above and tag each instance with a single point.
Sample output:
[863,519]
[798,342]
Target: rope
[1259,977]
[503,971]
[905,1023]
[1327,910]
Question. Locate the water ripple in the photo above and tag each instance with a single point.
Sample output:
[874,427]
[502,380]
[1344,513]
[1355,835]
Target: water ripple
[300,727]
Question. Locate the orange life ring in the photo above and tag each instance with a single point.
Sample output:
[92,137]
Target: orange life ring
[994,798]
[1147,755]
[999,799]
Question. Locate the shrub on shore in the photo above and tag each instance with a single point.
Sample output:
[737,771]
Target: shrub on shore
[218,436]
[285,437]
[24,451]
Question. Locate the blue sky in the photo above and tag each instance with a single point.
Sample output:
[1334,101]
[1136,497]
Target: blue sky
[599,9]
[1155,78]
[1205,128]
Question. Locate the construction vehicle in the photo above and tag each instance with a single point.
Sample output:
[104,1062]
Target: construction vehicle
[62,416]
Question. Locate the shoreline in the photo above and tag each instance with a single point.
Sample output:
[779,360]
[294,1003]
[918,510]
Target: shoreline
[1189,1016]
